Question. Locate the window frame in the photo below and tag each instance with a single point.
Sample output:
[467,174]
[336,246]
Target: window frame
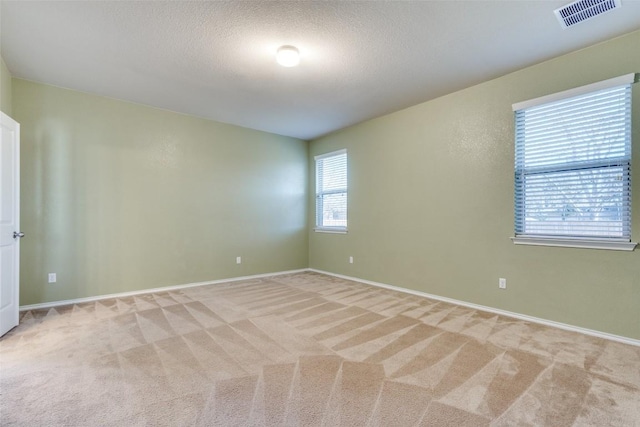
[321,228]
[612,243]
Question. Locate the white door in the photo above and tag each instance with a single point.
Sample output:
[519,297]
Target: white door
[9,222]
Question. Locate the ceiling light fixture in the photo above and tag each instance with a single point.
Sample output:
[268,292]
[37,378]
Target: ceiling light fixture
[288,56]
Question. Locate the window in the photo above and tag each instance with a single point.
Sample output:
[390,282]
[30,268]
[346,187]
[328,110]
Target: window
[573,167]
[331,192]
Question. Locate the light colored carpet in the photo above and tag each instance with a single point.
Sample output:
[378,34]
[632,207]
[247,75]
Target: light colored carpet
[306,350]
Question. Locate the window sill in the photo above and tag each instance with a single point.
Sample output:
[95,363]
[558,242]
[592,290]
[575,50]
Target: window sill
[575,243]
[331,230]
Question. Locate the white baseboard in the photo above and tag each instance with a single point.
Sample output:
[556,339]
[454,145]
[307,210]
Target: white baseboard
[153,290]
[532,319]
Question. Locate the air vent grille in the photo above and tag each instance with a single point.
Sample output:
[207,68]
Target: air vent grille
[581,10]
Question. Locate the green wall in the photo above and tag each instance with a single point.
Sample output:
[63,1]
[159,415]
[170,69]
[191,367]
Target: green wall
[431,203]
[121,197]
[5,89]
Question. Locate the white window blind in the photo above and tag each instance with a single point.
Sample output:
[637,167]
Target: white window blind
[331,191]
[572,166]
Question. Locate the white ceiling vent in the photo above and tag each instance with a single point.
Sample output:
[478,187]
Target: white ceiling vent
[582,10]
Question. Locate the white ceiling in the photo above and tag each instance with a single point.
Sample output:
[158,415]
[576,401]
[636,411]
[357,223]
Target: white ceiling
[216,59]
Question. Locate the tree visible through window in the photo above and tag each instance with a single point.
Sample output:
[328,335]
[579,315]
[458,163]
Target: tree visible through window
[331,191]
[573,166]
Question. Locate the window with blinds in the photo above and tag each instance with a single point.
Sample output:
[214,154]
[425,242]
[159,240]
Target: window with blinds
[573,164]
[331,191]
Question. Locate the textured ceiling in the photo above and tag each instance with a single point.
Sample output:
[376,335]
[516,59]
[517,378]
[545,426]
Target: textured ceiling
[216,59]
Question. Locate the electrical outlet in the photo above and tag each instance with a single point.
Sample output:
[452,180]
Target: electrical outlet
[238,260]
[350,260]
[502,283]
[52,278]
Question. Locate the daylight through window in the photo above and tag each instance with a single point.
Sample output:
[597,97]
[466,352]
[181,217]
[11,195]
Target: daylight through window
[573,164]
[331,191]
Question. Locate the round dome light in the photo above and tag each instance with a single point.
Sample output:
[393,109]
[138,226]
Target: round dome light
[288,56]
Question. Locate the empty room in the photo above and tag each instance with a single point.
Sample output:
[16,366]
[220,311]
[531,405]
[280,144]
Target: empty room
[320,213]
